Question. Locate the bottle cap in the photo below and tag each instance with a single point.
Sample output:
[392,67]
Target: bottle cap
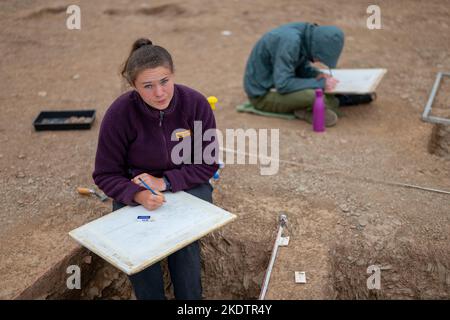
[319,92]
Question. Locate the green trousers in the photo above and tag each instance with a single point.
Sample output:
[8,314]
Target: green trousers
[288,103]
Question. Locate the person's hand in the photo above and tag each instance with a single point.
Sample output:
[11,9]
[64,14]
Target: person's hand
[330,84]
[156,184]
[148,200]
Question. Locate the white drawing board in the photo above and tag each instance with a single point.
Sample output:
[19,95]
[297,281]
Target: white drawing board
[356,81]
[131,245]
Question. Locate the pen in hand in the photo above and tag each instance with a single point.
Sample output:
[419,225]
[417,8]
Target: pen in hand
[151,190]
[147,187]
[151,206]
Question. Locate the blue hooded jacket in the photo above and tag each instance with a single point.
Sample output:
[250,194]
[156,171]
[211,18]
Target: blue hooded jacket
[282,58]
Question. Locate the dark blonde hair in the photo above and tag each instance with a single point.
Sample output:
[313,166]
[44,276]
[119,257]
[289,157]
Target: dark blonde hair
[145,55]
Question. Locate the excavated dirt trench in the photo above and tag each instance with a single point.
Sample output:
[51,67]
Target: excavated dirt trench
[406,272]
[440,141]
[231,269]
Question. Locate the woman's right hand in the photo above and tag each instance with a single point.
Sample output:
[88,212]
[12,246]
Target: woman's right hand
[330,84]
[148,200]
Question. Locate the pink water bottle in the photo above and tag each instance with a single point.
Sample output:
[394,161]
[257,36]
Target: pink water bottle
[319,112]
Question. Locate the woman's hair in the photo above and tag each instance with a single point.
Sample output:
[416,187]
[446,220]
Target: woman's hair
[145,55]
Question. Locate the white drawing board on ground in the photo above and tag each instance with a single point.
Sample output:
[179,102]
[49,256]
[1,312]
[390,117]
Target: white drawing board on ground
[131,245]
[356,81]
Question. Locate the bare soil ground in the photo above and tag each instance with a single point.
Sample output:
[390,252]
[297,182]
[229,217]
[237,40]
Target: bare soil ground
[343,215]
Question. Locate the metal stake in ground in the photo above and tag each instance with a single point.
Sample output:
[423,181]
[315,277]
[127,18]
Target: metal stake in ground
[283,223]
[426,116]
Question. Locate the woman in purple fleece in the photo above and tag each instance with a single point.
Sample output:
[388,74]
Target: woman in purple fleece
[137,135]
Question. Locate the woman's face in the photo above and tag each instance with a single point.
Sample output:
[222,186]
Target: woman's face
[155,86]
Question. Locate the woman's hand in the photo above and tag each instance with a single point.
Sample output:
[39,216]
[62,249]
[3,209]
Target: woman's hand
[148,200]
[156,184]
[330,84]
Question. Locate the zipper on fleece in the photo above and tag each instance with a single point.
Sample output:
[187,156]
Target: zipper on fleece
[161,118]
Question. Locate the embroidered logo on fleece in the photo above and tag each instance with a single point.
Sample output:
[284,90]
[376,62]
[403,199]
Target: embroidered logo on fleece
[183,134]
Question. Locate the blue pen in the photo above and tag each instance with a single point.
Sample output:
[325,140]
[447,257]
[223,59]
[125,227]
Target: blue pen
[147,187]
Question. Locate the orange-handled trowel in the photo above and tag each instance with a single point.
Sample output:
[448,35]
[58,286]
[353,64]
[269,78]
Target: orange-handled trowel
[87,192]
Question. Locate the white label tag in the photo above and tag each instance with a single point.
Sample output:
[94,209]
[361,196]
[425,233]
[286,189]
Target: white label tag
[300,277]
[283,242]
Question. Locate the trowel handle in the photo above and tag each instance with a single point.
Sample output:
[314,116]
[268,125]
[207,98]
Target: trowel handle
[84,191]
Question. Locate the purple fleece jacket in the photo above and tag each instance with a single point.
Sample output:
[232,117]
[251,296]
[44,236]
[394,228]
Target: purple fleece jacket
[135,138]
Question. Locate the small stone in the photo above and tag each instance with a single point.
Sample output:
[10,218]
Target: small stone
[386,267]
[344,208]
[303,134]
[106,283]
[76,76]
[343,141]
[30,181]
[404,96]
[226,33]
[34,262]
[363,221]
[87,259]
[20,175]
[360,262]
[21,156]
[395,278]
[93,292]
[1,156]
[42,93]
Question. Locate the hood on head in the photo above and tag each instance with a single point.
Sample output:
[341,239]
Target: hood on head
[326,44]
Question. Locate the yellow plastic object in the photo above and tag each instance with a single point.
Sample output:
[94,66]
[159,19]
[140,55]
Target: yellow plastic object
[212,102]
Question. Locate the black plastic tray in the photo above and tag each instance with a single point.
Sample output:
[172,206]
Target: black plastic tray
[64,120]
